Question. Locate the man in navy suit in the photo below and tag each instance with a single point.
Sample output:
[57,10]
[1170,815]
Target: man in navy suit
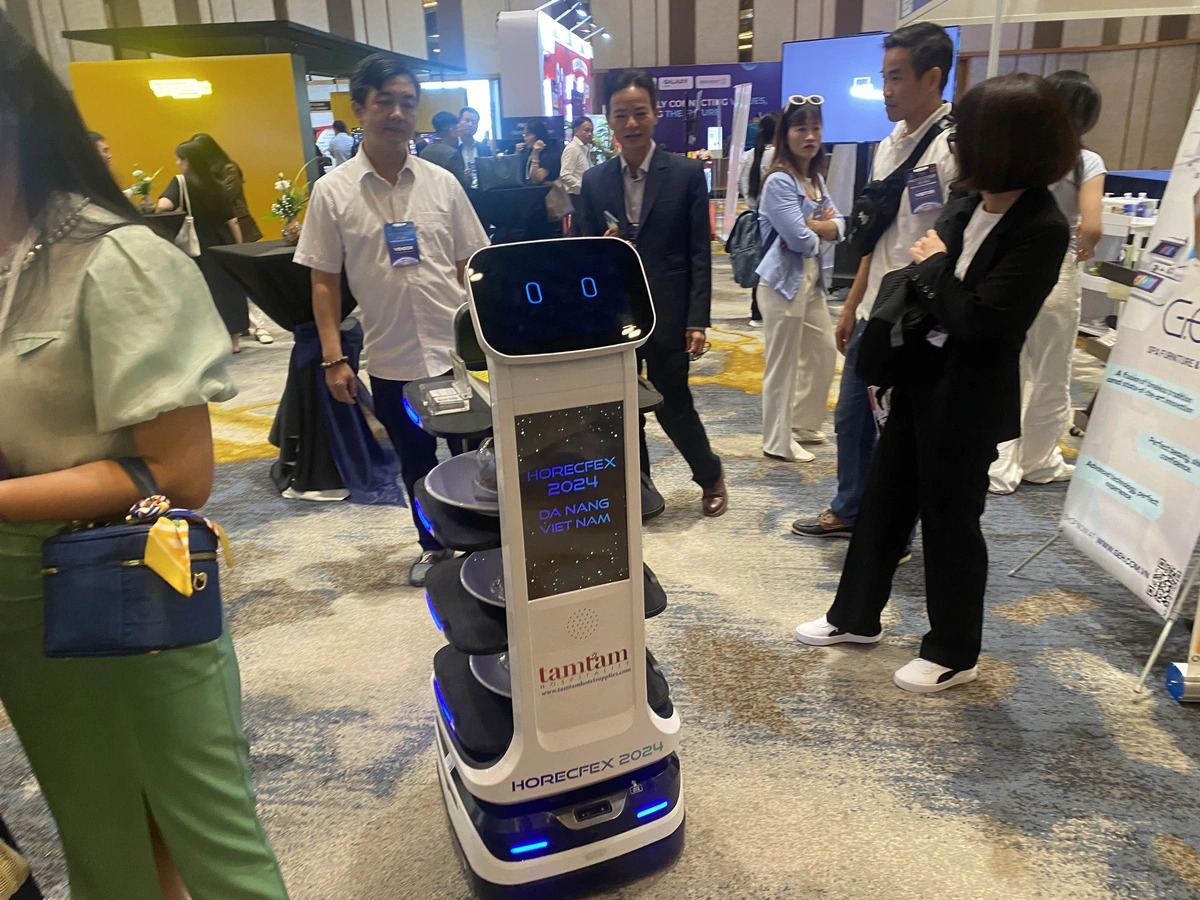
[660,203]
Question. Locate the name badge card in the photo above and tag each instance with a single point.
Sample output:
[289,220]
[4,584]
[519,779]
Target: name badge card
[924,189]
[402,246]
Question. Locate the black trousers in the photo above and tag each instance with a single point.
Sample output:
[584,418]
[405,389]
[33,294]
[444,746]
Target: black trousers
[416,447]
[927,463]
[667,370]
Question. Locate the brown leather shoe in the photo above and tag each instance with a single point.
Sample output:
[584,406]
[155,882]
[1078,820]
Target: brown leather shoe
[715,500]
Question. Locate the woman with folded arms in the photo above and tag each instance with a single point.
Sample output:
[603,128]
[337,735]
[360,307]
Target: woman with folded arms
[981,277]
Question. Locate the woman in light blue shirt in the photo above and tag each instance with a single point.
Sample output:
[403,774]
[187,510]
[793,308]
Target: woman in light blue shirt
[795,215]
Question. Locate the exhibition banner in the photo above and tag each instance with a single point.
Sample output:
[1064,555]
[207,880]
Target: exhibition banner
[693,98]
[1132,504]
[741,120]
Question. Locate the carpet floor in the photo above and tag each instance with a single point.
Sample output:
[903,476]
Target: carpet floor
[808,774]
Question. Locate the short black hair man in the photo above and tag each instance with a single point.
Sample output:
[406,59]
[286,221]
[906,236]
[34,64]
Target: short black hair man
[660,202]
[443,150]
[402,230]
[469,148]
[101,147]
[916,69]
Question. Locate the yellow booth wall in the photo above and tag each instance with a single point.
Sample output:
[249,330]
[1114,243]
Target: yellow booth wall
[432,102]
[252,112]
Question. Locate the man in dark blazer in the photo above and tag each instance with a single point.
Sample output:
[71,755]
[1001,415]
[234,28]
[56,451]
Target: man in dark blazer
[659,201]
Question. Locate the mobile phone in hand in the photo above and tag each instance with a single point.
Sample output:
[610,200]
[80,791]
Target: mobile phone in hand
[612,221]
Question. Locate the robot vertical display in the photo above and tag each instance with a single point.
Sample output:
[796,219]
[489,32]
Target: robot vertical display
[557,737]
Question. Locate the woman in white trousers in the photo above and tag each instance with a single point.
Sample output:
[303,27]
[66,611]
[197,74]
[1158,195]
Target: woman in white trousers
[1046,357]
[795,216]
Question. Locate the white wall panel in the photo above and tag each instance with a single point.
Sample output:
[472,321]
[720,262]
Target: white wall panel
[774,23]
[643,32]
[253,10]
[479,36]
[716,31]
[1083,33]
[313,13]
[156,12]
[664,32]
[408,29]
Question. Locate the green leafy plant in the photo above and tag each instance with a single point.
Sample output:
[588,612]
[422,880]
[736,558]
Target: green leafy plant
[291,200]
[142,183]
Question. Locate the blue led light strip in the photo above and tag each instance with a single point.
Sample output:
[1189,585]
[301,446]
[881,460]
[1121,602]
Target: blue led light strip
[421,515]
[437,690]
[412,413]
[529,848]
[433,612]
[651,810]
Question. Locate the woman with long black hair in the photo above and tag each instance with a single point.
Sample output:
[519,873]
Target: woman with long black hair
[216,225]
[109,348]
[980,278]
[755,164]
[229,174]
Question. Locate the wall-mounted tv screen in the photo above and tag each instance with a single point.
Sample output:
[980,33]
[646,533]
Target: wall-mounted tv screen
[846,72]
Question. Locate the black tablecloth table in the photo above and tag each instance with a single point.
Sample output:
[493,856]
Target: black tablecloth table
[515,214]
[165,224]
[282,289]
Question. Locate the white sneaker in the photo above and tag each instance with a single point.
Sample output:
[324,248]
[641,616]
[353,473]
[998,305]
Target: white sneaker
[819,633]
[756,323]
[796,453]
[924,677]
[809,436]
[1062,472]
[263,336]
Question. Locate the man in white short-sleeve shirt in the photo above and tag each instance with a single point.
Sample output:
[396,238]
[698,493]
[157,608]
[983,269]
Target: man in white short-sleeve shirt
[402,229]
[916,68]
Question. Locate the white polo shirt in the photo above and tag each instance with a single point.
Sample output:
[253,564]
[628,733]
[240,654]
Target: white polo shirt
[891,250]
[408,311]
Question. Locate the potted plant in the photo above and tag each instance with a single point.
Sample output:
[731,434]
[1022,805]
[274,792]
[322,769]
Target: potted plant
[139,191]
[288,206]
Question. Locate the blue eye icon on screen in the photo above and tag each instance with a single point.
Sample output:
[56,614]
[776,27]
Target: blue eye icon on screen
[589,287]
[533,292]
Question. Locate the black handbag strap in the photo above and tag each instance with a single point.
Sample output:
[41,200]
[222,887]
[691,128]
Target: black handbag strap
[922,145]
[139,473]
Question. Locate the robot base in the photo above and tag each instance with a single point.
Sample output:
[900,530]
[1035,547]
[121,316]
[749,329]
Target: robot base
[510,850]
[1179,686]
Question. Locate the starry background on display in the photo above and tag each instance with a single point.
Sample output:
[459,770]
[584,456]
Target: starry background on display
[576,556]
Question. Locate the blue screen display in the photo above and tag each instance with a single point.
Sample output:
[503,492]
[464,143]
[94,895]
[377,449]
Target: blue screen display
[846,72]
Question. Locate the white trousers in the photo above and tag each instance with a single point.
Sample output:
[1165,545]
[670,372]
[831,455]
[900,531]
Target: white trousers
[1046,391]
[799,360]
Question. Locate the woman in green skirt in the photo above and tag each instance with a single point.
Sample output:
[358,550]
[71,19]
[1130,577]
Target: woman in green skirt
[109,347]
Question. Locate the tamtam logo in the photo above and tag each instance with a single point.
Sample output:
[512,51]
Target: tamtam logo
[863,89]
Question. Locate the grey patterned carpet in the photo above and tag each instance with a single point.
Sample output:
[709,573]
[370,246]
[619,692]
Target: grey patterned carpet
[808,774]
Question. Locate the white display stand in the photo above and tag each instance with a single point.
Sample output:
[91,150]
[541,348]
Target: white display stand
[586,772]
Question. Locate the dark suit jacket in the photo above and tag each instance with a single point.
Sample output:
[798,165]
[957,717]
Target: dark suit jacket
[989,311]
[674,241]
[448,158]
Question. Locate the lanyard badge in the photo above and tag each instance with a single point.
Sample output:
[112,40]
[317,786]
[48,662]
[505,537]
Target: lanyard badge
[401,238]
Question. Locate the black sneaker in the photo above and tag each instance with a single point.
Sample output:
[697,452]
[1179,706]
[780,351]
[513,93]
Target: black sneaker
[423,563]
[825,524]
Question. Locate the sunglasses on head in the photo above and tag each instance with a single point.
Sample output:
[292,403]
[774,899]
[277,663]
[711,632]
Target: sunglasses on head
[800,99]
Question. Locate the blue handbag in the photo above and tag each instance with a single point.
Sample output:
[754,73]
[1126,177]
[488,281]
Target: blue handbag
[101,599]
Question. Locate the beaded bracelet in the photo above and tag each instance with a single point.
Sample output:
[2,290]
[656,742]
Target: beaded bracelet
[335,362]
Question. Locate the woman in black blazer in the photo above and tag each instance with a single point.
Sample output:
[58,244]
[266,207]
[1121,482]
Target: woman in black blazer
[982,276]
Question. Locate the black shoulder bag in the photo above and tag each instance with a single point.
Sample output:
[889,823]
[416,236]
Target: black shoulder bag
[879,203]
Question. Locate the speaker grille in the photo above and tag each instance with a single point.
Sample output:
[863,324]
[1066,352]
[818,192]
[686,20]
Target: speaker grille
[583,623]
